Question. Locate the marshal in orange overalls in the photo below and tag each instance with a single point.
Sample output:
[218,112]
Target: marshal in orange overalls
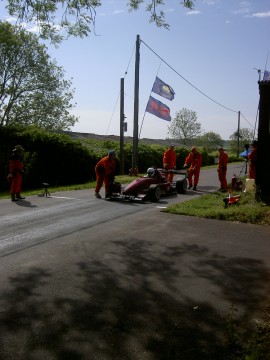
[194,158]
[169,161]
[222,168]
[15,173]
[104,169]
[252,160]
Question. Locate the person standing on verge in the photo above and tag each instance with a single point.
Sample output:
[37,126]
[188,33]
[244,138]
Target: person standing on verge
[105,169]
[252,157]
[15,173]
[222,169]
[194,158]
[169,161]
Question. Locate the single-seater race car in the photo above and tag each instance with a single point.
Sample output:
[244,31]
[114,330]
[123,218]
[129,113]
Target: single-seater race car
[150,187]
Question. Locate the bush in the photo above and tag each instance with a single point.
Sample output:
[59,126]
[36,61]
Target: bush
[48,157]
[57,159]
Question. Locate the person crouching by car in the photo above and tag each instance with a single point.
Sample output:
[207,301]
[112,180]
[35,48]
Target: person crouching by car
[15,173]
[194,159]
[169,161]
[105,170]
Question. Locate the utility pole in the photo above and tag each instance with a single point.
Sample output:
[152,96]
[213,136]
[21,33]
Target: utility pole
[122,120]
[262,177]
[136,108]
[238,135]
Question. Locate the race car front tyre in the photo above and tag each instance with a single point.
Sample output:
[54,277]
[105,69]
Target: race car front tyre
[181,186]
[154,193]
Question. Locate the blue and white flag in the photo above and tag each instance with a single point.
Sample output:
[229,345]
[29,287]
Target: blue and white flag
[163,89]
[266,76]
[158,109]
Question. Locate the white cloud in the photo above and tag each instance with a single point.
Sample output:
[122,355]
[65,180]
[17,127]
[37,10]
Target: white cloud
[169,10]
[116,12]
[31,28]
[261,15]
[27,26]
[11,19]
[244,3]
[210,2]
[244,8]
[242,11]
[193,12]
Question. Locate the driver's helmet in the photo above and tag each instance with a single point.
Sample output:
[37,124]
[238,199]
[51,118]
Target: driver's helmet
[151,172]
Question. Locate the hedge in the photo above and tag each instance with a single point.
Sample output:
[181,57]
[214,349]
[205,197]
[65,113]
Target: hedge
[59,160]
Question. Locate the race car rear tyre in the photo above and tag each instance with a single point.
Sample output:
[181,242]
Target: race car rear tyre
[154,193]
[181,186]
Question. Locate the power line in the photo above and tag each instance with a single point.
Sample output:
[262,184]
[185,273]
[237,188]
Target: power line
[119,91]
[216,102]
[246,120]
[201,92]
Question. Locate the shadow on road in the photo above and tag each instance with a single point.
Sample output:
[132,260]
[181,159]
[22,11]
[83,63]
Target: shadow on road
[130,305]
[25,203]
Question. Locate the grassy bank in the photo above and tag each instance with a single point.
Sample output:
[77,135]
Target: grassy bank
[212,206]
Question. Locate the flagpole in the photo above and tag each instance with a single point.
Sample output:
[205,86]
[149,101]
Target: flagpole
[136,107]
[148,100]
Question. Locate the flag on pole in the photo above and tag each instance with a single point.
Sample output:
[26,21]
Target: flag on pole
[266,75]
[163,89]
[158,109]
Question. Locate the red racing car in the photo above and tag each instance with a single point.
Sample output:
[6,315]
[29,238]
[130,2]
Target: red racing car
[150,187]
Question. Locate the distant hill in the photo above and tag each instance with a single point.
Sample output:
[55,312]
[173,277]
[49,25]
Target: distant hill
[127,139]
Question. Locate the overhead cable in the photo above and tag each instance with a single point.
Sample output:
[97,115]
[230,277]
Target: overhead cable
[216,102]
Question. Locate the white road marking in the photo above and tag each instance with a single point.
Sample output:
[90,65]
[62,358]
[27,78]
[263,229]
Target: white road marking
[62,197]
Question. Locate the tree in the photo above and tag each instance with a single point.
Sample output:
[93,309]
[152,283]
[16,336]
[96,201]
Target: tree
[33,89]
[77,18]
[210,141]
[184,126]
[245,137]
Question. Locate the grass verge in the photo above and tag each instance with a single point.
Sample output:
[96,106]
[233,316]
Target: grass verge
[123,179]
[212,206]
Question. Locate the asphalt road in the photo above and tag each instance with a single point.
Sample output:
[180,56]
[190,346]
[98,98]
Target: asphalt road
[83,278]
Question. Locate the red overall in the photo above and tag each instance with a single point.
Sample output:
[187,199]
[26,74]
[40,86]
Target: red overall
[169,162]
[104,168]
[222,169]
[195,160]
[252,163]
[16,170]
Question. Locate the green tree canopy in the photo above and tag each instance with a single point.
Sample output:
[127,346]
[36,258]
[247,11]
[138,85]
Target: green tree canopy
[210,141]
[33,89]
[76,18]
[245,137]
[184,126]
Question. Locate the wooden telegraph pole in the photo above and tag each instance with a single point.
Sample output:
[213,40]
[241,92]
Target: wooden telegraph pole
[136,108]
[238,135]
[122,124]
[263,156]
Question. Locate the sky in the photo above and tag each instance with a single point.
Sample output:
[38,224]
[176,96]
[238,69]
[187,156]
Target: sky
[210,56]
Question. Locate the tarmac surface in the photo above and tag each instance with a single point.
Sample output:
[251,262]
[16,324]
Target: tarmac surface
[83,278]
